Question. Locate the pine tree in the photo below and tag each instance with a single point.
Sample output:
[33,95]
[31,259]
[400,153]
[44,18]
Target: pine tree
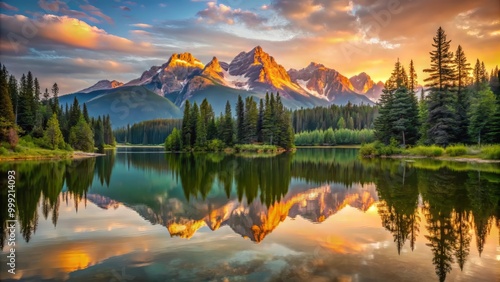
[251,117]
[341,123]
[482,111]
[173,141]
[404,117]
[85,113]
[477,75]
[240,121]
[441,72]
[382,123]
[260,121]
[52,135]
[98,133]
[350,123]
[227,127]
[462,105]
[6,107]
[46,96]
[55,97]
[81,136]
[14,95]
[194,119]
[412,78]
[267,120]
[74,113]
[442,116]
[202,126]
[186,126]
[484,73]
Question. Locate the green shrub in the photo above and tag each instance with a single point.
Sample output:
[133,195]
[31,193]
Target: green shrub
[456,150]
[3,150]
[368,150]
[255,148]
[216,145]
[427,151]
[491,152]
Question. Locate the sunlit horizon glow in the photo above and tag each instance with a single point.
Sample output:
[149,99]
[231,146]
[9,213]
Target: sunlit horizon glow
[80,42]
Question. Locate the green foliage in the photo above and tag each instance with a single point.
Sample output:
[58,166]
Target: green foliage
[378,148]
[216,145]
[491,152]
[456,150]
[399,112]
[52,135]
[368,150]
[482,111]
[334,137]
[174,141]
[81,136]
[255,148]
[147,132]
[323,118]
[427,151]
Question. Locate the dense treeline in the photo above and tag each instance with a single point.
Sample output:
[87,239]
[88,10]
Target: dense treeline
[147,132]
[459,108]
[266,122]
[336,117]
[49,125]
[332,137]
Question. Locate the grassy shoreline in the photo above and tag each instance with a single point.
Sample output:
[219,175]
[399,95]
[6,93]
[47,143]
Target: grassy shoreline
[458,153]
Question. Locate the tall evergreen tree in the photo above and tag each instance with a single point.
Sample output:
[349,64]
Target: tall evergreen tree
[250,121]
[46,96]
[442,115]
[442,72]
[260,121]
[493,125]
[477,76]
[53,136]
[26,116]
[55,97]
[74,113]
[462,105]
[206,114]
[267,120]
[98,133]
[81,136]
[86,113]
[6,107]
[482,112]
[14,94]
[240,121]
[194,119]
[227,127]
[412,78]
[186,126]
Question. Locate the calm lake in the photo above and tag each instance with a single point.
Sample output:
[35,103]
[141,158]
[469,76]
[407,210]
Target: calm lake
[314,215]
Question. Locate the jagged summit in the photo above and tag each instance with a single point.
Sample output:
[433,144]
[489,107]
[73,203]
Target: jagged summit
[361,82]
[184,59]
[102,85]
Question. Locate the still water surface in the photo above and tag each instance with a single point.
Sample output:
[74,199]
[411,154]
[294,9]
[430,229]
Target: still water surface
[315,215]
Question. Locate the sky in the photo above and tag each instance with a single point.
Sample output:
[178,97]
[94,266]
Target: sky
[79,42]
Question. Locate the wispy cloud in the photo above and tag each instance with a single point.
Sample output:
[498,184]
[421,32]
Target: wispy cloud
[142,25]
[96,12]
[220,13]
[5,6]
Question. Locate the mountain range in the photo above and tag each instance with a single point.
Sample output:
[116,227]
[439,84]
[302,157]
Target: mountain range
[183,77]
